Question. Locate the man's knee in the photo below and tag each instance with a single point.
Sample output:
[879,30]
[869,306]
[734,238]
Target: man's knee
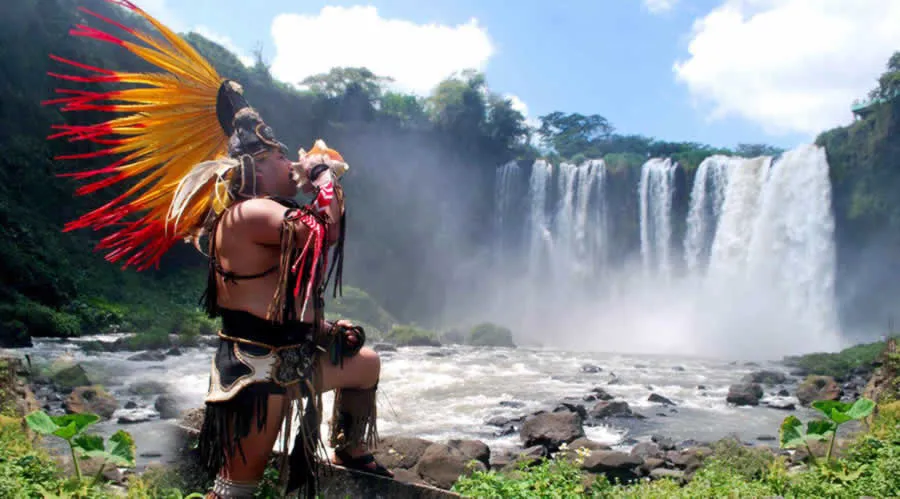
[371,366]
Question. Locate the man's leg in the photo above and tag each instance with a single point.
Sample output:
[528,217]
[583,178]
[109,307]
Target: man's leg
[257,447]
[360,372]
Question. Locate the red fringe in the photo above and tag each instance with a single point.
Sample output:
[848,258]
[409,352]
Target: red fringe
[100,184]
[108,20]
[89,32]
[82,66]
[86,155]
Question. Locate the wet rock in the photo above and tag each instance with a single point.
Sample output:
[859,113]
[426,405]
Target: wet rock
[685,460]
[92,399]
[589,398]
[193,418]
[441,465]
[782,405]
[601,394]
[652,463]
[766,438]
[614,464]
[701,387]
[591,369]
[645,450]
[783,393]
[131,404]
[167,407]
[613,408]
[587,444]
[664,443]
[396,452]
[497,421]
[571,407]
[71,377]
[514,404]
[148,388]
[744,394]
[551,429]
[818,388]
[659,399]
[765,377]
[149,356]
[678,368]
[473,449]
[174,352]
[662,414]
[640,366]
[133,418]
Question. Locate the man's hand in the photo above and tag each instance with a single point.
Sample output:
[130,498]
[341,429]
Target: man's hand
[352,336]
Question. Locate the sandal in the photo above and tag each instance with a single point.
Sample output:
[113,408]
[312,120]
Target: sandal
[360,464]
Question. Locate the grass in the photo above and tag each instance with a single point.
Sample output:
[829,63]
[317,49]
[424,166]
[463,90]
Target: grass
[838,365]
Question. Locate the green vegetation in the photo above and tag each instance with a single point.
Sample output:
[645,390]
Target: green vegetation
[870,467]
[490,335]
[836,413]
[839,365]
[405,335]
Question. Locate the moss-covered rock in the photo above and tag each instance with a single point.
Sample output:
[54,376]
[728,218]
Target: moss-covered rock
[490,335]
[412,336]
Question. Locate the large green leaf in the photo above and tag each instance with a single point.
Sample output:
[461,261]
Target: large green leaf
[88,444]
[81,421]
[40,422]
[862,408]
[820,429]
[834,410]
[121,448]
[66,432]
[790,434]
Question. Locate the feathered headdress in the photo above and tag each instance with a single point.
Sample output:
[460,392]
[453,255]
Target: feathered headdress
[182,139]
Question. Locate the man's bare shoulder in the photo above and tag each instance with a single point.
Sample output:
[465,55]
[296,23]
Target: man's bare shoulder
[260,219]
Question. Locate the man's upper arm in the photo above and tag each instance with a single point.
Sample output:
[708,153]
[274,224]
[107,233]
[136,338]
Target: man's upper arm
[261,220]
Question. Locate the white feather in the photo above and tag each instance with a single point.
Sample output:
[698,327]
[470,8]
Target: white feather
[194,181]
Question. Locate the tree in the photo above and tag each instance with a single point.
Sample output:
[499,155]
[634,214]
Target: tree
[505,125]
[570,134]
[338,81]
[889,81]
[457,106]
[756,150]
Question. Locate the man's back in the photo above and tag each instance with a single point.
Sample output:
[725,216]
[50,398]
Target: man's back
[248,244]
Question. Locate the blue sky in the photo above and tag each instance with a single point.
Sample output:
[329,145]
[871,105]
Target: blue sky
[750,70]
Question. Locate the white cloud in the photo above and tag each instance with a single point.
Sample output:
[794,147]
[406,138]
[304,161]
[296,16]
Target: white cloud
[417,56]
[225,42]
[518,104]
[789,65]
[659,6]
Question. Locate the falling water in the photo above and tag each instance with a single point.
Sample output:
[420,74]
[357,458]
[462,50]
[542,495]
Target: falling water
[657,189]
[707,197]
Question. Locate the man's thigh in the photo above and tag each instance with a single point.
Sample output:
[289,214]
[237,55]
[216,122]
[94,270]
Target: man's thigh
[360,371]
[258,444]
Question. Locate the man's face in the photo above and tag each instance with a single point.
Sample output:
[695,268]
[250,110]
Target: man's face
[279,176]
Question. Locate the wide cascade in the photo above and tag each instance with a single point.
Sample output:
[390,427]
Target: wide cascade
[743,265]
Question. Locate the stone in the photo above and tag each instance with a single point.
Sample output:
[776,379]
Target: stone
[149,356]
[782,405]
[615,408]
[71,377]
[659,399]
[395,452]
[384,347]
[818,388]
[664,443]
[167,406]
[91,399]
[651,463]
[591,369]
[551,429]
[646,450]
[744,394]
[614,464]
[601,394]
[441,465]
[473,449]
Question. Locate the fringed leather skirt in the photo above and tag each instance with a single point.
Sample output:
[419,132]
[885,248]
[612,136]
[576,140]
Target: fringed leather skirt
[256,358]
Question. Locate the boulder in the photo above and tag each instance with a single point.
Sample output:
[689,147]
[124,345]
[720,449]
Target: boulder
[473,449]
[91,399]
[441,465]
[646,450]
[149,356]
[765,377]
[601,394]
[744,394]
[591,368]
[551,429]
[614,408]
[167,407]
[818,388]
[659,399]
[615,465]
[71,377]
[782,405]
[664,443]
[395,452]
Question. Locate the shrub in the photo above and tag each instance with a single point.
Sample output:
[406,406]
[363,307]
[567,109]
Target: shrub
[412,336]
[490,335]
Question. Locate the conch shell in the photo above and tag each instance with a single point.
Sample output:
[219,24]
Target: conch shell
[320,154]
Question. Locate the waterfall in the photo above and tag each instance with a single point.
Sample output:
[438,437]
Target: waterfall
[657,187]
[707,197]
[728,255]
[759,256]
[794,230]
[505,192]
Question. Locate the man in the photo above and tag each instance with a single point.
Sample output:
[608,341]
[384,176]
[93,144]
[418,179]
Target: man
[206,165]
